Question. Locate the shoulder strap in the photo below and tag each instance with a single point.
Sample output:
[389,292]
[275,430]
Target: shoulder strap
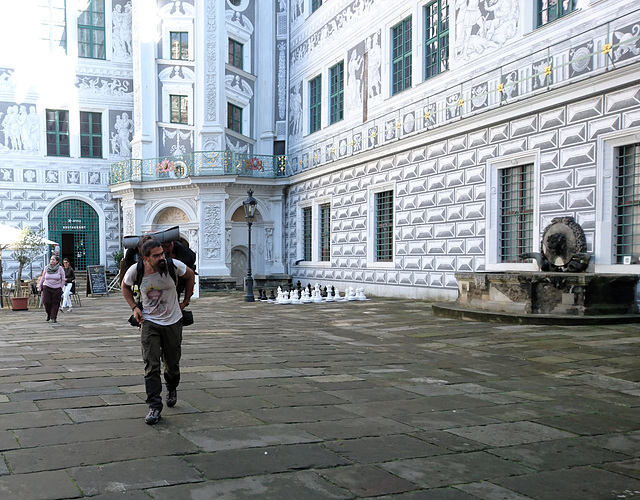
[172,269]
[139,272]
[170,266]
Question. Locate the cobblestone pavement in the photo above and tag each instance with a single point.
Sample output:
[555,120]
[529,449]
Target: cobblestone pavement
[319,401]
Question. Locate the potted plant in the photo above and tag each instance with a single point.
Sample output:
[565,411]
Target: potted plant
[29,246]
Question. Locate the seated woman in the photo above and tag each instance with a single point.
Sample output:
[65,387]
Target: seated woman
[70,276]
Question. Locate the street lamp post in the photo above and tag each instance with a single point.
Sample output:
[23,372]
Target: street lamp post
[249,213]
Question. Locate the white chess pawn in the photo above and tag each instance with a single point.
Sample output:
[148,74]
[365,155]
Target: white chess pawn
[294,297]
[329,297]
[351,295]
[360,294]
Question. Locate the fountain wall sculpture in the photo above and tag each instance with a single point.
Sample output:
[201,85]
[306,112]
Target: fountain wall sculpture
[562,287]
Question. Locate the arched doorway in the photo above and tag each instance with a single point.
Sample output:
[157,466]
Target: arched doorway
[75,225]
[238,266]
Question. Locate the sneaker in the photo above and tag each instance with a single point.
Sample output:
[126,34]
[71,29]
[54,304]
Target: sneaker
[70,309]
[153,416]
[48,318]
[172,398]
[54,320]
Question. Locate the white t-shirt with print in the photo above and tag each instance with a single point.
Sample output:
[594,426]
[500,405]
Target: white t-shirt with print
[159,297]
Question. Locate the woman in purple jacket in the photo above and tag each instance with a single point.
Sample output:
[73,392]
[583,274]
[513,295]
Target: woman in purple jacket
[51,283]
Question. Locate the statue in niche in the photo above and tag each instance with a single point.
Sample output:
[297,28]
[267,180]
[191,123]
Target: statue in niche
[269,246]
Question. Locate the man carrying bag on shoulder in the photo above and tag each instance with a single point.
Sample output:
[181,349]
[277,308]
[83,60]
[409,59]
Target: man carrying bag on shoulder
[161,322]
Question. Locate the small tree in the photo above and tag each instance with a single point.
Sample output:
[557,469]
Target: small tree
[26,249]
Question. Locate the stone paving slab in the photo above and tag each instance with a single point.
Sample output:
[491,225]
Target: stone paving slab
[376,399]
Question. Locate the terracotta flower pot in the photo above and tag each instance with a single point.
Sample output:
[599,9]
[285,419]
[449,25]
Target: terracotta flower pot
[19,303]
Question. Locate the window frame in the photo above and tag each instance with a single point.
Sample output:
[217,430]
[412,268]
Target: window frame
[307,233]
[180,99]
[51,26]
[372,225]
[91,135]
[441,34]
[336,93]
[401,57]
[181,45]
[236,62]
[539,23]
[606,173]
[315,104]
[57,133]
[231,119]
[93,30]
[493,210]
[324,232]
[315,5]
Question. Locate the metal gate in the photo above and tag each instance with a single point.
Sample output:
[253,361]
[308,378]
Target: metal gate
[75,225]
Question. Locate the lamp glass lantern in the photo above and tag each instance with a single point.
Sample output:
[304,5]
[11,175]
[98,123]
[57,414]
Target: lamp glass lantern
[249,205]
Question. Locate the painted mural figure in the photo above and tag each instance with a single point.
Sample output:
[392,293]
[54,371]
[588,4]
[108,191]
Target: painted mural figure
[33,129]
[122,32]
[120,140]
[354,84]
[269,247]
[375,63]
[295,108]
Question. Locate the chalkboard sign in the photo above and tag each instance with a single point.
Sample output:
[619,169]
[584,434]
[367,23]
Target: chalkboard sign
[96,281]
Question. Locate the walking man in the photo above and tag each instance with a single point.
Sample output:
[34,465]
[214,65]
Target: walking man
[161,322]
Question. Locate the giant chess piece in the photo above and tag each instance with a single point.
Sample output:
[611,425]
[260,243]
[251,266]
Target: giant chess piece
[272,296]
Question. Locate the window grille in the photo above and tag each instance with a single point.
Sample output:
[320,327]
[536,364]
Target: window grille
[336,111]
[234,118]
[627,202]
[550,10]
[91,31]
[384,226]
[179,109]
[325,232]
[437,38]
[235,53]
[53,28]
[179,45]
[90,135]
[57,132]
[516,212]
[401,52]
[315,104]
[306,233]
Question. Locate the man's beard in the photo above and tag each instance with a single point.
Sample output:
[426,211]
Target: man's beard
[161,266]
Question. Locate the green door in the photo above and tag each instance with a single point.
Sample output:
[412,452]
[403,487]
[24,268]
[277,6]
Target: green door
[75,225]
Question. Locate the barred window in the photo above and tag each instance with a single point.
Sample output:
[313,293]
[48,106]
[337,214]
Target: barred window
[384,226]
[436,38]
[627,205]
[401,56]
[325,232]
[307,233]
[516,212]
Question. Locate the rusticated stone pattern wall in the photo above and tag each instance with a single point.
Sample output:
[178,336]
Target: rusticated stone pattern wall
[440,192]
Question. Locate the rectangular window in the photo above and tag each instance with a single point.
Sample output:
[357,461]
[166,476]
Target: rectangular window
[91,31]
[436,47]
[179,45]
[336,100]
[90,135]
[179,109]
[315,5]
[57,132]
[516,212]
[325,232]
[315,100]
[384,226]
[235,53]
[234,118]
[401,56]
[53,28]
[627,205]
[307,233]
[550,10]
